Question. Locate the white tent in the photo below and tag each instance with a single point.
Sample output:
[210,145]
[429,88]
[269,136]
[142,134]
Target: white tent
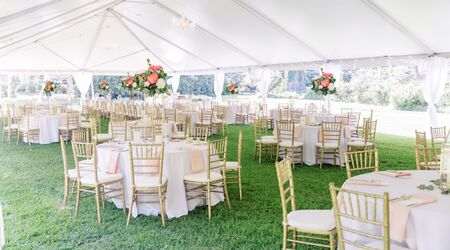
[116,36]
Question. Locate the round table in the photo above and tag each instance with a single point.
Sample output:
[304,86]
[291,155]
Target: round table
[48,127]
[176,164]
[427,225]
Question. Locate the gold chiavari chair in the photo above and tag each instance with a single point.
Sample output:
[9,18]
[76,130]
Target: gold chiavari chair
[330,142]
[96,183]
[98,137]
[80,135]
[147,180]
[283,105]
[296,116]
[200,133]
[263,142]
[421,139]
[362,210]
[233,168]
[311,108]
[264,113]
[353,122]
[71,123]
[118,130]
[206,119]
[438,136]
[157,127]
[219,122]
[26,131]
[361,161]
[361,128]
[142,132]
[309,227]
[183,127]
[287,145]
[10,126]
[427,158]
[243,113]
[170,115]
[210,180]
[368,139]
[283,114]
[344,119]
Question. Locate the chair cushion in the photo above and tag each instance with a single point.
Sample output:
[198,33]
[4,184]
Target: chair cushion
[268,137]
[218,121]
[232,165]
[312,220]
[328,145]
[203,176]
[359,144]
[357,139]
[103,137]
[179,135]
[72,173]
[85,125]
[149,181]
[267,141]
[289,144]
[378,244]
[102,178]
[71,127]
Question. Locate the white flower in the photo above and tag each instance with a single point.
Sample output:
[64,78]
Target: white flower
[161,83]
[331,87]
[320,87]
[134,85]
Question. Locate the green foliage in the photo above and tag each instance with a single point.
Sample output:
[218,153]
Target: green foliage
[31,192]
[197,85]
[410,98]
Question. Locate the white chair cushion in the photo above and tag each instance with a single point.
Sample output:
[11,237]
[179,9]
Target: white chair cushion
[312,220]
[71,127]
[267,141]
[147,181]
[85,125]
[102,178]
[357,139]
[218,121]
[328,145]
[289,144]
[103,137]
[359,144]
[380,245]
[268,137]
[203,176]
[179,135]
[232,165]
[72,173]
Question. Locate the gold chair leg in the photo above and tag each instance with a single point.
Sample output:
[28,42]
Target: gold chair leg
[225,191]
[260,152]
[208,190]
[102,191]
[332,246]
[77,203]
[161,207]
[66,191]
[97,201]
[130,210]
[285,232]
[240,184]
[122,189]
[321,157]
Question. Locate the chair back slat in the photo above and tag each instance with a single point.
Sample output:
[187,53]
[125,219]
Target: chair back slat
[361,160]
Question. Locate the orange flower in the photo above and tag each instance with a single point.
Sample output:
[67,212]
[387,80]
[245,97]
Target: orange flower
[325,82]
[153,78]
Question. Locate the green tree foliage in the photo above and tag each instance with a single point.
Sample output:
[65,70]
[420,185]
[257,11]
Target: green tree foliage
[197,85]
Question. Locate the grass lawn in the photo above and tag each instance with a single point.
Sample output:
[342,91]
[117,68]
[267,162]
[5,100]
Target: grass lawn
[31,189]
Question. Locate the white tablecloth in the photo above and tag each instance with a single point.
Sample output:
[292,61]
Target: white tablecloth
[428,225]
[48,127]
[176,165]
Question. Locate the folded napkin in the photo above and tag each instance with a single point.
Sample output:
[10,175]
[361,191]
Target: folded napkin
[399,213]
[174,128]
[197,163]
[112,166]
[347,131]
[394,174]
[366,182]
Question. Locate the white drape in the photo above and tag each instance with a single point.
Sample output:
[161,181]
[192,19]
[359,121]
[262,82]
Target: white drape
[83,80]
[434,84]
[175,81]
[263,84]
[218,84]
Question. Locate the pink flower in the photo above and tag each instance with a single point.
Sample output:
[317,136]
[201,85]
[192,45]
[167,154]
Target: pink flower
[154,67]
[130,81]
[327,74]
[325,82]
[153,78]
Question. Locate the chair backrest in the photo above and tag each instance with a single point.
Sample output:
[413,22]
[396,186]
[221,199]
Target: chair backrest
[344,119]
[142,132]
[170,115]
[331,132]
[259,127]
[206,116]
[84,151]
[354,119]
[184,124]
[285,131]
[80,135]
[217,156]
[146,159]
[438,136]
[364,210]
[286,186]
[361,160]
[244,108]
[201,133]
[283,114]
[72,119]
[421,139]
[311,108]
[296,116]
[64,154]
[118,130]
[427,158]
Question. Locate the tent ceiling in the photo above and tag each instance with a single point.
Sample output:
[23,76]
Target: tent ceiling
[117,36]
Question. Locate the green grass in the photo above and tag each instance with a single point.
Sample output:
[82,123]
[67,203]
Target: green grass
[31,185]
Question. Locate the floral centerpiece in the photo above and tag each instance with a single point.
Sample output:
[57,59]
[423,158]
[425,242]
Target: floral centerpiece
[104,86]
[150,82]
[232,88]
[324,84]
[49,88]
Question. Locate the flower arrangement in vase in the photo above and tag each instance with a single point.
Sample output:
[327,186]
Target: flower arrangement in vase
[104,86]
[324,84]
[49,87]
[232,88]
[150,82]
